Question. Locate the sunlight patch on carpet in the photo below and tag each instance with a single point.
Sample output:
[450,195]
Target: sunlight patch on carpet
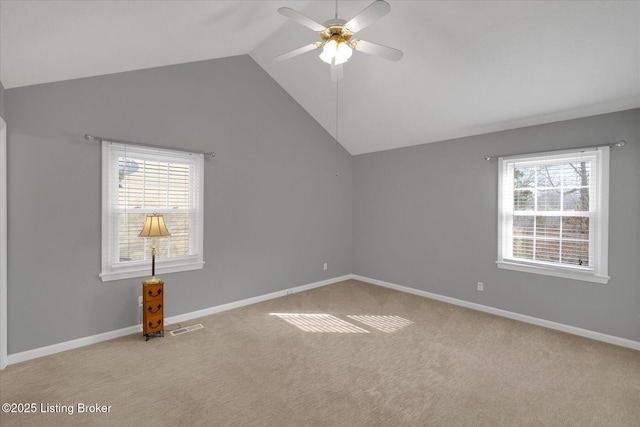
[320,323]
[386,324]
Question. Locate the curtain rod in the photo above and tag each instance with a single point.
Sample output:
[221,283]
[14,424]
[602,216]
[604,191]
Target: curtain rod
[618,144]
[92,138]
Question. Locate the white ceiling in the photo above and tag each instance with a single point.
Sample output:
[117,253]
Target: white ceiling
[469,67]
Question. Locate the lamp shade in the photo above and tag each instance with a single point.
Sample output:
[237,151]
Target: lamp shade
[154,227]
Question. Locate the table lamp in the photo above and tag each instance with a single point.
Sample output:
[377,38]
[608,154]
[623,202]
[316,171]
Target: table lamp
[154,227]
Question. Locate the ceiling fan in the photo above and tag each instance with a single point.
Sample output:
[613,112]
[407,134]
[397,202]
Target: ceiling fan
[337,43]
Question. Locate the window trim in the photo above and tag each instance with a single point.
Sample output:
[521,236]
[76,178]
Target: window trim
[109,271]
[599,274]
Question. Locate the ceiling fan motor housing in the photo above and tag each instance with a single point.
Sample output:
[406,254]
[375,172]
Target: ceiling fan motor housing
[335,30]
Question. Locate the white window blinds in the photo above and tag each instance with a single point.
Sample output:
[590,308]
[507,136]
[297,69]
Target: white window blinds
[138,181]
[553,213]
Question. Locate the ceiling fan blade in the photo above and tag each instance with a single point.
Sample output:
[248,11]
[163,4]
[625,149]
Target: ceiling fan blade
[301,19]
[368,16]
[298,51]
[376,49]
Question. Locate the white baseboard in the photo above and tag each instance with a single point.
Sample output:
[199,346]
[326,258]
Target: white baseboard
[237,304]
[623,342]
[93,339]
[69,345]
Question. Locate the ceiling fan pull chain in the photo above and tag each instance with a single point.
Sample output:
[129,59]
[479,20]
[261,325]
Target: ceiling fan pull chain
[337,114]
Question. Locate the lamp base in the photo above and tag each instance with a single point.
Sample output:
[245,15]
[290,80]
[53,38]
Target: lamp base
[153,280]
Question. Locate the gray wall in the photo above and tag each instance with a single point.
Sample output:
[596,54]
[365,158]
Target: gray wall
[274,208]
[422,216]
[426,217]
[2,114]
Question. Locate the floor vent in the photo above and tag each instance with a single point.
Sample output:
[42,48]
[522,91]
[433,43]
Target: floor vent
[186,329]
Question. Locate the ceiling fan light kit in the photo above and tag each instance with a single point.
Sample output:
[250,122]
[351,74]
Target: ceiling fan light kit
[337,43]
[336,53]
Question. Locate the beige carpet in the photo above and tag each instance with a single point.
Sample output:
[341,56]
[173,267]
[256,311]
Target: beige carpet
[431,364]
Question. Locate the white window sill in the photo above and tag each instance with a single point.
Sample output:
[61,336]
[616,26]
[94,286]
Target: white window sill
[129,272]
[556,272]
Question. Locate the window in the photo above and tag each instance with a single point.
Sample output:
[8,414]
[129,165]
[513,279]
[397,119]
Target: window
[137,181]
[553,214]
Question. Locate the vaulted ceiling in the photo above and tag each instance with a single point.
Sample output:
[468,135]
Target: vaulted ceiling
[469,67]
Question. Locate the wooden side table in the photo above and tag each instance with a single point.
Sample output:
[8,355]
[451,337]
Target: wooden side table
[153,309]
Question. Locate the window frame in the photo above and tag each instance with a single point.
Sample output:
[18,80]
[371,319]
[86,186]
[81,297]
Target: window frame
[598,214]
[113,270]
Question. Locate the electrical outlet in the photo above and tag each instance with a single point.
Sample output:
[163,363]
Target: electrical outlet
[325,266]
[140,301]
[480,286]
